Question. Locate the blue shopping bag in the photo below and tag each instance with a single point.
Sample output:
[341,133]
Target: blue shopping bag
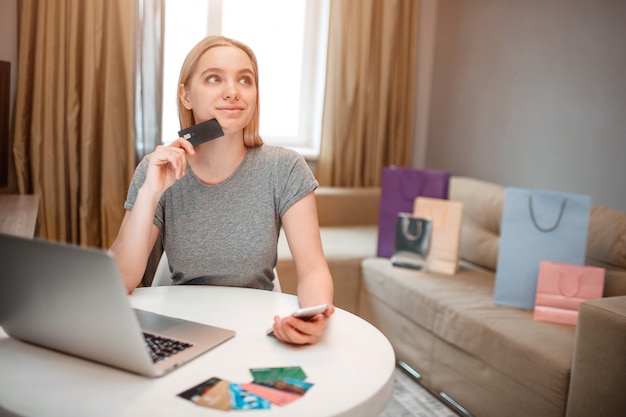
[537,226]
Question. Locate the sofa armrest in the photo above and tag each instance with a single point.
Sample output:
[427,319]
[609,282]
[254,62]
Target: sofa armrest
[347,206]
[598,369]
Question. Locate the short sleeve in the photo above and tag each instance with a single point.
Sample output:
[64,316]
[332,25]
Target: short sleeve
[295,179]
[138,178]
[136,182]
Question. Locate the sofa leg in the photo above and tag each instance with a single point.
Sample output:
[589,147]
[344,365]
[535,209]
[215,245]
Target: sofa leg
[409,370]
[455,405]
[445,397]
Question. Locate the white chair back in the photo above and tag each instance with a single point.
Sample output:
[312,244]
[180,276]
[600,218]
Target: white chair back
[276,282]
[162,275]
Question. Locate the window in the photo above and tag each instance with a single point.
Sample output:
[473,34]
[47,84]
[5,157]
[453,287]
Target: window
[289,39]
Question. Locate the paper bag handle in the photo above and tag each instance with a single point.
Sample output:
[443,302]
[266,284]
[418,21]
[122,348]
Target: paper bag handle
[406,221]
[562,290]
[532,216]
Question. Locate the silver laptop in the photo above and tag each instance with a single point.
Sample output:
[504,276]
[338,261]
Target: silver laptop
[72,299]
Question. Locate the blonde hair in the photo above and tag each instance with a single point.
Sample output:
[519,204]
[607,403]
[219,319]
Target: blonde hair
[251,136]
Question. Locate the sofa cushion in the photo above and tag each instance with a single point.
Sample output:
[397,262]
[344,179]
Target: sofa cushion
[459,309]
[483,203]
[606,247]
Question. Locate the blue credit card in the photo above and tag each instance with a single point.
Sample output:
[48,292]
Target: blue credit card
[244,400]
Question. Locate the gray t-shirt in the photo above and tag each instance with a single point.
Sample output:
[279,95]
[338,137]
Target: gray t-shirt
[227,233]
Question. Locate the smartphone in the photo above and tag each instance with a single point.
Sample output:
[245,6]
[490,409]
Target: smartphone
[306,314]
[202,132]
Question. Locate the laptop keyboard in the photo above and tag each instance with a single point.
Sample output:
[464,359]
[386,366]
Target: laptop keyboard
[161,348]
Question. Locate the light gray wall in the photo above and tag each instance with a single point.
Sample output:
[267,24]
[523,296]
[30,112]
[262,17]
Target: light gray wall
[532,93]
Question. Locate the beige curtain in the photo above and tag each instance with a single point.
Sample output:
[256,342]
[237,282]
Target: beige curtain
[74,143]
[370,90]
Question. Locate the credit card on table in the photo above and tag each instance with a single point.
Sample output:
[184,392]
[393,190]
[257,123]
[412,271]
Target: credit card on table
[212,393]
[242,399]
[277,374]
[272,395]
[292,385]
[202,132]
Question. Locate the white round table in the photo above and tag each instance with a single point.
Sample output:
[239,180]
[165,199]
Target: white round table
[351,367]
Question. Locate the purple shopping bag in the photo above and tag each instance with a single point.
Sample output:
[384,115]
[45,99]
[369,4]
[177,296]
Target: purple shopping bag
[400,186]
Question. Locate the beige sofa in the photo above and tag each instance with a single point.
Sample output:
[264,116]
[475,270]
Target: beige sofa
[488,360]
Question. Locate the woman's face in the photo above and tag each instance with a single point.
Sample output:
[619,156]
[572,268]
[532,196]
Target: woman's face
[222,87]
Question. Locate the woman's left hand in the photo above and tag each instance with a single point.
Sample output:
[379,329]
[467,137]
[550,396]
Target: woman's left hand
[293,330]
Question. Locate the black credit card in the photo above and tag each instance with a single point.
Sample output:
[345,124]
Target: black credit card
[202,132]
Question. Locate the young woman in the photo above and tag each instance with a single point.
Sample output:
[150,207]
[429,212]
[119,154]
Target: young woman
[219,207]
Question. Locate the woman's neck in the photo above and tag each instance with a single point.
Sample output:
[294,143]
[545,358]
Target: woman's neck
[218,159]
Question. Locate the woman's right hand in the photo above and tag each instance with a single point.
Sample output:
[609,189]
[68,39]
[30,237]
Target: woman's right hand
[167,164]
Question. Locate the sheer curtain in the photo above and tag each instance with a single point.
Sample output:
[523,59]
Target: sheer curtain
[370,90]
[74,114]
[149,27]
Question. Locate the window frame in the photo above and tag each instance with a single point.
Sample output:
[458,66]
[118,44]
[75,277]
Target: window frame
[308,137]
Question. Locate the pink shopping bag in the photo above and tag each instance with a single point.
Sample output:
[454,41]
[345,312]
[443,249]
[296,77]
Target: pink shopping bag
[562,287]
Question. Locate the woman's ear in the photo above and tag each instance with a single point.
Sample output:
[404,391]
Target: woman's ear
[184,96]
